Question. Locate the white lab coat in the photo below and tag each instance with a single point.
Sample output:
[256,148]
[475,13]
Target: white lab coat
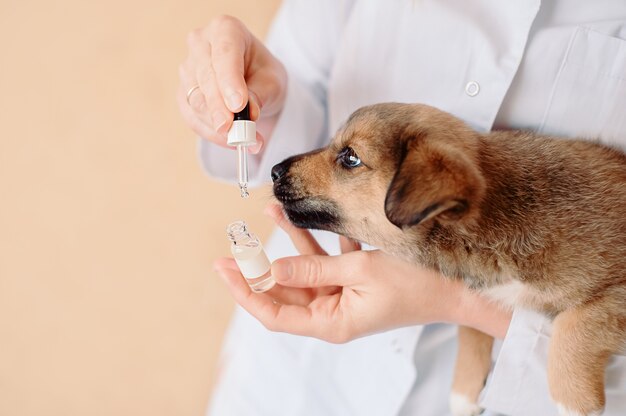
[556,67]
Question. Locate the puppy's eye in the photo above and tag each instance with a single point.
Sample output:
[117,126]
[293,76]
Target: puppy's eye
[348,158]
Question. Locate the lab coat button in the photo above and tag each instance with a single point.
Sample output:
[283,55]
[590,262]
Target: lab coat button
[472,88]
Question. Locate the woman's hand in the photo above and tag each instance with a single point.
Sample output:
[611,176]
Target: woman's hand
[340,298]
[231,67]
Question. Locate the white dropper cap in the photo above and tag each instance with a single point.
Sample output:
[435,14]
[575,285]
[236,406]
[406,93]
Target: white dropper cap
[243,130]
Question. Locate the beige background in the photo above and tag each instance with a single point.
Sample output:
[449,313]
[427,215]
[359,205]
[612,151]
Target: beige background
[108,227]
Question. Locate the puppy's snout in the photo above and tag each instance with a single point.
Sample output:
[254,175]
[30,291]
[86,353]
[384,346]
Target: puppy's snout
[279,170]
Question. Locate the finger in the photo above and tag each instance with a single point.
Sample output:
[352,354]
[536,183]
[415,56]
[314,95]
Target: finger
[291,295]
[227,56]
[225,263]
[190,116]
[261,305]
[262,125]
[228,50]
[193,99]
[282,294]
[302,239]
[221,117]
[255,107]
[295,319]
[198,70]
[348,245]
[197,125]
[267,84]
[208,113]
[319,271]
[260,142]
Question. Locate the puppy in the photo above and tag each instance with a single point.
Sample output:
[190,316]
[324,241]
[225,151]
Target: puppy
[529,220]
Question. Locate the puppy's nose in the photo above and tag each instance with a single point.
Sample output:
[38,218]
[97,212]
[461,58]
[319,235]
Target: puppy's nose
[278,171]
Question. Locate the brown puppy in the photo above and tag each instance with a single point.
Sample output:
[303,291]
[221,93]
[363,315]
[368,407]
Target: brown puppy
[529,220]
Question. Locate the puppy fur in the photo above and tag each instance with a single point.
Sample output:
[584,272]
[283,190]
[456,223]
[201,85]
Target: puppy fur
[528,220]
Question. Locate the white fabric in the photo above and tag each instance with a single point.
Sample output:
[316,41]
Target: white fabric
[557,67]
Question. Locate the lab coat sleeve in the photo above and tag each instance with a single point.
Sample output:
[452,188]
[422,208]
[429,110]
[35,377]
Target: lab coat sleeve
[304,37]
[518,384]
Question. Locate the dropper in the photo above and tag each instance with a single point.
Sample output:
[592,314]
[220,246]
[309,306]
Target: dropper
[242,170]
[242,134]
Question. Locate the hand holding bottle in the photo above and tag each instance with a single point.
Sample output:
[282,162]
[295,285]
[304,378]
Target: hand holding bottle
[230,66]
[340,298]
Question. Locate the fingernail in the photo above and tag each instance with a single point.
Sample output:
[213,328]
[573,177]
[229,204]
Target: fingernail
[233,100]
[219,120]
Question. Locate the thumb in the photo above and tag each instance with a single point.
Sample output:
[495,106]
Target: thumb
[267,89]
[319,271]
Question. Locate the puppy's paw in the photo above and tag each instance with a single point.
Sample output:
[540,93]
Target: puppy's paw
[461,405]
[564,411]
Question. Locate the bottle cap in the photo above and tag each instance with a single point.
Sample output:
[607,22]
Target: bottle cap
[243,130]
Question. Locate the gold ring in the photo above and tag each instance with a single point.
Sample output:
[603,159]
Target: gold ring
[191,90]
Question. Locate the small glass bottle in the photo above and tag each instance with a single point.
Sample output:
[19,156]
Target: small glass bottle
[250,257]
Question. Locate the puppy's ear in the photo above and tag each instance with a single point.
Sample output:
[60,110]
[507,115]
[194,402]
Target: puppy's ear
[433,180]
